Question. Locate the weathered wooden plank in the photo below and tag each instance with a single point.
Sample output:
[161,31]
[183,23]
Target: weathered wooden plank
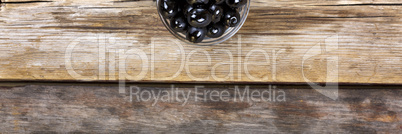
[101,109]
[362,40]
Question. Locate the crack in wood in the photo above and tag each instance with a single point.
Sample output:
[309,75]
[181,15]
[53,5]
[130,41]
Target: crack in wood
[103,7]
[366,4]
[353,17]
[23,2]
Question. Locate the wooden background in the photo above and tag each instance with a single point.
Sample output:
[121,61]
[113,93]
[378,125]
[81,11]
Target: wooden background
[360,40]
[64,108]
[364,36]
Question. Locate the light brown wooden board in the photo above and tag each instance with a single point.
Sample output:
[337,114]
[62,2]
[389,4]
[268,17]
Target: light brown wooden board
[34,37]
[101,109]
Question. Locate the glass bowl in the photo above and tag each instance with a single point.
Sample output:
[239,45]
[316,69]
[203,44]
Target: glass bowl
[230,31]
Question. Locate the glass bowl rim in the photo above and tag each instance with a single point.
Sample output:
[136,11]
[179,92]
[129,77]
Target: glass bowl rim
[232,30]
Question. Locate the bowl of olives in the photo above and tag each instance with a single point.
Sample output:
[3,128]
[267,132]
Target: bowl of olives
[203,22]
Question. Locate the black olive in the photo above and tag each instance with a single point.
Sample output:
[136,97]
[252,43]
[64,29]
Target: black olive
[195,34]
[217,13]
[169,8]
[187,9]
[178,23]
[231,18]
[236,3]
[193,2]
[215,30]
[199,17]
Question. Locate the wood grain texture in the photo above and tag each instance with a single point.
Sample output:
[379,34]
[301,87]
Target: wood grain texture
[363,35]
[101,109]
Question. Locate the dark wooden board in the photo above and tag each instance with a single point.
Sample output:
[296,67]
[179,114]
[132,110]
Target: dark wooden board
[67,108]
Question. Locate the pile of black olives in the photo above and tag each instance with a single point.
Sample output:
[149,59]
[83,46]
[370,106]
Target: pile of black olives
[200,18]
